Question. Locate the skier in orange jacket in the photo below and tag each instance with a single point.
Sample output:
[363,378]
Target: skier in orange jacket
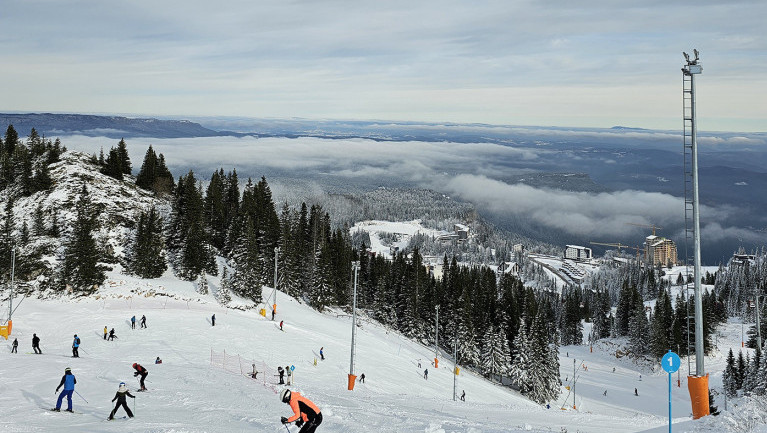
[306,413]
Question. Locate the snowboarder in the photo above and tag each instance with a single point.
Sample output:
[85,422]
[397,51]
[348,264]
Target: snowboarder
[36,344]
[112,335]
[362,378]
[426,374]
[322,355]
[133,322]
[213,320]
[306,414]
[15,345]
[122,391]
[254,375]
[281,322]
[140,370]
[105,332]
[75,347]
[68,381]
[636,393]
[143,321]
[463,395]
[281,372]
[158,360]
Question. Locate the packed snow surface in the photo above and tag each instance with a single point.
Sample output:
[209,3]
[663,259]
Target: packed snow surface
[199,389]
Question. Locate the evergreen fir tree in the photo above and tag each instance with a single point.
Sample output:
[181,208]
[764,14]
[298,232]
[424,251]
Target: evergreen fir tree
[730,376]
[223,294]
[80,267]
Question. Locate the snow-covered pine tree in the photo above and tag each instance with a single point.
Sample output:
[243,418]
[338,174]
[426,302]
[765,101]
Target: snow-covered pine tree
[730,376]
[223,294]
[80,265]
[639,330]
[145,255]
[202,284]
[520,367]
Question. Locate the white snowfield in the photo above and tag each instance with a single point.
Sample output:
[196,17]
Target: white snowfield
[187,393]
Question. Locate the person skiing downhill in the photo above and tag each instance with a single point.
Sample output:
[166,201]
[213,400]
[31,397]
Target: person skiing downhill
[140,370]
[122,391]
[306,414]
[36,344]
[15,345]
[68,381]
[75,347]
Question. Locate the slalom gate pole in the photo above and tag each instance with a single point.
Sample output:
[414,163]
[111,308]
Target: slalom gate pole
[86,401]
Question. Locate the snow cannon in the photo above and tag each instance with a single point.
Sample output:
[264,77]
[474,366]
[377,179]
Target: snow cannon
[5,330]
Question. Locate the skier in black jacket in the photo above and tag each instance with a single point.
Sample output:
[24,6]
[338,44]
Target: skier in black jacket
[122,391]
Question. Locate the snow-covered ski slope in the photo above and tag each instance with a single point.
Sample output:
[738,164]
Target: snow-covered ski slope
[187,393]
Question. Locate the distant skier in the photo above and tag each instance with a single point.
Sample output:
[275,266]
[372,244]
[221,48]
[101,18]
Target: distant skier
[322,355]
[289,372]
[68,381]
[305,412]
[133,322]
[105,332]
[281,372]
[281,322]
[143,321]
[112,335]
[36,344]
[122,391]
[76,347]
[158,360]
[140,370]
[362,378]
[15,345]
[213,320]
[426,374]
[463,395]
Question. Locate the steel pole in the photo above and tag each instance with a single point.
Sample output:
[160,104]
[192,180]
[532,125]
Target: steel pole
[436,334]
[354,317]
[13,269]
[699,368]
[276,253]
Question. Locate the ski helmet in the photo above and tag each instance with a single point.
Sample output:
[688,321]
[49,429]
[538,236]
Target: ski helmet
[285,395]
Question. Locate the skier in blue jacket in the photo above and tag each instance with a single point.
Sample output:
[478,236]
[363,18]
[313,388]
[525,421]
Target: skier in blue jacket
[75,346]
[68,381]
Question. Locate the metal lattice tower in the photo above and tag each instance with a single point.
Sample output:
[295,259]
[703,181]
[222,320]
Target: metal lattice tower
[692,213]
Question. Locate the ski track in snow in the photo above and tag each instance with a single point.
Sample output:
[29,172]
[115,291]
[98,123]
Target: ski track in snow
[187,394]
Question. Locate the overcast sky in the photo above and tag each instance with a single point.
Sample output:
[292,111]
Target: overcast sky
[539,62]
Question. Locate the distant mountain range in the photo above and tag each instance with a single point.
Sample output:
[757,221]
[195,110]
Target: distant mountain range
[102,126]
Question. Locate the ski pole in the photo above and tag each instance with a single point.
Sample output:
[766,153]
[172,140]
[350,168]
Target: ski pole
[86,401]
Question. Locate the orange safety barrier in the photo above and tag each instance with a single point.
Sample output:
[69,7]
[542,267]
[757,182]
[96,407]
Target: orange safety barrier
[5,330]
[352,378]
[698,387]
